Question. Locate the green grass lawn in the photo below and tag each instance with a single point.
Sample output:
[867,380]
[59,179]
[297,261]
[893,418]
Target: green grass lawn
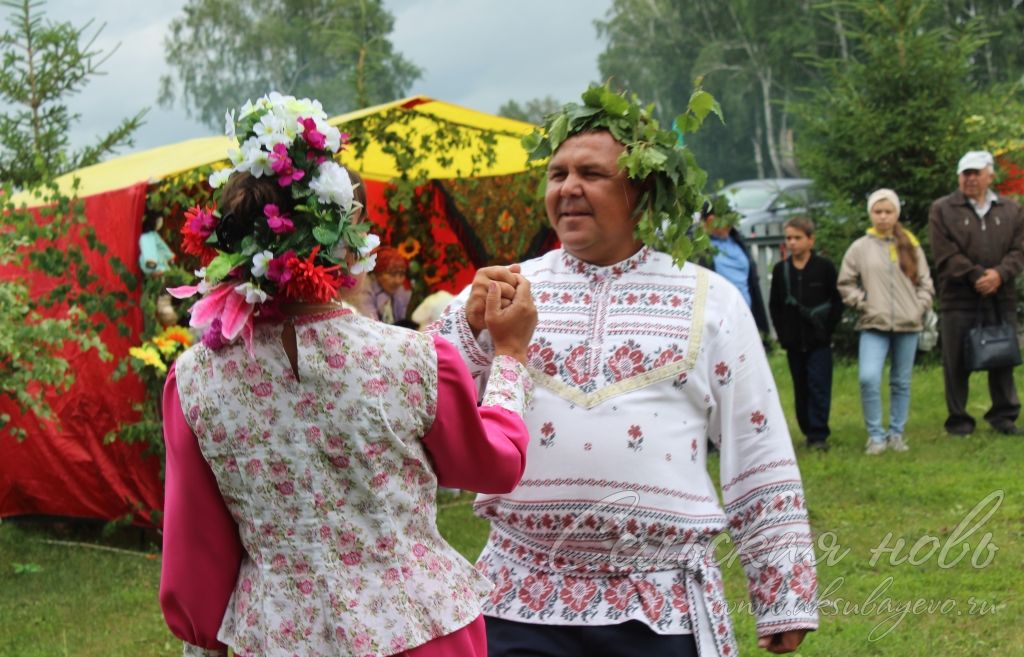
[946,591]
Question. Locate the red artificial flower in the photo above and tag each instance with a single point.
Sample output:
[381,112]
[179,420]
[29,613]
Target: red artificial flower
[311,282]
[199,225]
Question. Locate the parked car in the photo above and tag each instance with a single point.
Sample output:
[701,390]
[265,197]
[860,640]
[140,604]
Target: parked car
[765,205]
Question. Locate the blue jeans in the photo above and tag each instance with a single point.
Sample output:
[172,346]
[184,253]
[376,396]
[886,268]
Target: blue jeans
[874,347]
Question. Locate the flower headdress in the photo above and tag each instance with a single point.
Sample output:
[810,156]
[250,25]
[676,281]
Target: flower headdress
[306,254]
[667,175]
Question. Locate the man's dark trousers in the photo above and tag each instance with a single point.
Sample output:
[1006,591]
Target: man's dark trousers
[954,325]
[812,390]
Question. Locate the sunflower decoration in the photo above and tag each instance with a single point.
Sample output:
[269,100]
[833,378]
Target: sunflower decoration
[162,349]
[409,248]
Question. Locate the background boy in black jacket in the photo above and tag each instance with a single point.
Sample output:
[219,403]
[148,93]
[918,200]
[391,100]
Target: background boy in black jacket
[804,316]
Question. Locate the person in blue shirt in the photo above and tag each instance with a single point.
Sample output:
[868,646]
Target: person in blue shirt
[732,257]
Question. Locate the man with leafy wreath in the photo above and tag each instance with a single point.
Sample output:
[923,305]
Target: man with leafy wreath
[607,545]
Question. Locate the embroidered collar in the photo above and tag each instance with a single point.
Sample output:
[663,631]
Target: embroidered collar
[600,273]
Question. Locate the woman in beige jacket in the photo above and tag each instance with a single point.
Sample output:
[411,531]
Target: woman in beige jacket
[884,277]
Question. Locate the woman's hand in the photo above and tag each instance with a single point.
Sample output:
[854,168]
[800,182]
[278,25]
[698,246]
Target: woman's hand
[511,327]
[505,277]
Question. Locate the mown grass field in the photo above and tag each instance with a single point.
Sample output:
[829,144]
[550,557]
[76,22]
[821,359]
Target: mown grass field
[954,588]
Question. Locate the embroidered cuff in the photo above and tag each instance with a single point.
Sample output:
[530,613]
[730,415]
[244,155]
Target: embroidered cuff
[509,386]
[476,350]
[189,650]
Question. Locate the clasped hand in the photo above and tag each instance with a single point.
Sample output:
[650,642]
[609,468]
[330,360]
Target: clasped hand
[500,301]
[988,283]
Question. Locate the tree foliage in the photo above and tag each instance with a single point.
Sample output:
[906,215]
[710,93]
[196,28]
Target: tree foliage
[44,62]
[744,52]
[334,50]
[898,113]
[758,58]
[532,111]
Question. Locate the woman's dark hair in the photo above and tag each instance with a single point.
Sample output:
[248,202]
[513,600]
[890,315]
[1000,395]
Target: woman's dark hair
[241,207]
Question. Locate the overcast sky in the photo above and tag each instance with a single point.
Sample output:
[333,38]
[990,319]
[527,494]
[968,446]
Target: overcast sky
[476,53]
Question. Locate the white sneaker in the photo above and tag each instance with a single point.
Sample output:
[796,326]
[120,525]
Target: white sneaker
[874,448]
[897,444]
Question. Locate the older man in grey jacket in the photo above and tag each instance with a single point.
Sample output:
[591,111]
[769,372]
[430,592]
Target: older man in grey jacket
[976,238]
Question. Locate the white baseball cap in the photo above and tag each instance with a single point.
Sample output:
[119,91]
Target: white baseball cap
[977,160]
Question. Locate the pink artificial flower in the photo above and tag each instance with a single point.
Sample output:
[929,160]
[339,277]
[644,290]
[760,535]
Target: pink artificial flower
[279,223]
[283,166]
[223,306]
[277,268]
[313,137]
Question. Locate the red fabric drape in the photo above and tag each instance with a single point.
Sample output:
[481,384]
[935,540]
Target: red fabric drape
[65,469]
[441,229]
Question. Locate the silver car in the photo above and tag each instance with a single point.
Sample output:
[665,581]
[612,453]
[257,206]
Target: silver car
[764,205]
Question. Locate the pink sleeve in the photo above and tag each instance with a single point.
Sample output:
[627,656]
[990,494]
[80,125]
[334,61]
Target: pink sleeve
[202,551]
[479,449]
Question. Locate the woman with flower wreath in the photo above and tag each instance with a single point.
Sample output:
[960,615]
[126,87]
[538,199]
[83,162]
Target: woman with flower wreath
[305,443]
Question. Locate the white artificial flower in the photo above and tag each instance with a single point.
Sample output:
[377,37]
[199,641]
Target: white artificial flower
[252,294]
[219,177]
[254,159]
[332,138]
[246,110]
[260,262]
[237,157]
[229,124]
[270,130]
[372,242]
[365,265]
[332,185]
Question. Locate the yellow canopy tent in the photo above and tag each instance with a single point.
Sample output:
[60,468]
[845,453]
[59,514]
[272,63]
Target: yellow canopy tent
[158,163]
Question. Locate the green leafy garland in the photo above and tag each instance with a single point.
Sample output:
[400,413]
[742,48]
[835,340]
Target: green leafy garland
[670,180]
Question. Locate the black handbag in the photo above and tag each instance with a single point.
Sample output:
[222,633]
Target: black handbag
[993,346]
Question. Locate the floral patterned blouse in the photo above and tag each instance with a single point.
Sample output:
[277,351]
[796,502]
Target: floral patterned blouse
[300,511]
[638,365]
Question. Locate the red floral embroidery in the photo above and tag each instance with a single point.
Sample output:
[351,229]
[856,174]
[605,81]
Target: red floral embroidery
[804,581]
[759,421]
[536,591]
[765,586]
[636,437]
[627,361]
[547,431]
[578,592]
[576,366]
[541,357]
[619,593]
[723,373]
[502,585]
[665,357]
[652,602]
[679,599]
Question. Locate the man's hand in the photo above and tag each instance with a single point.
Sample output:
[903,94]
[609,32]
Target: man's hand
[988,283]
[782,642]
[505,277]
[511,325]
